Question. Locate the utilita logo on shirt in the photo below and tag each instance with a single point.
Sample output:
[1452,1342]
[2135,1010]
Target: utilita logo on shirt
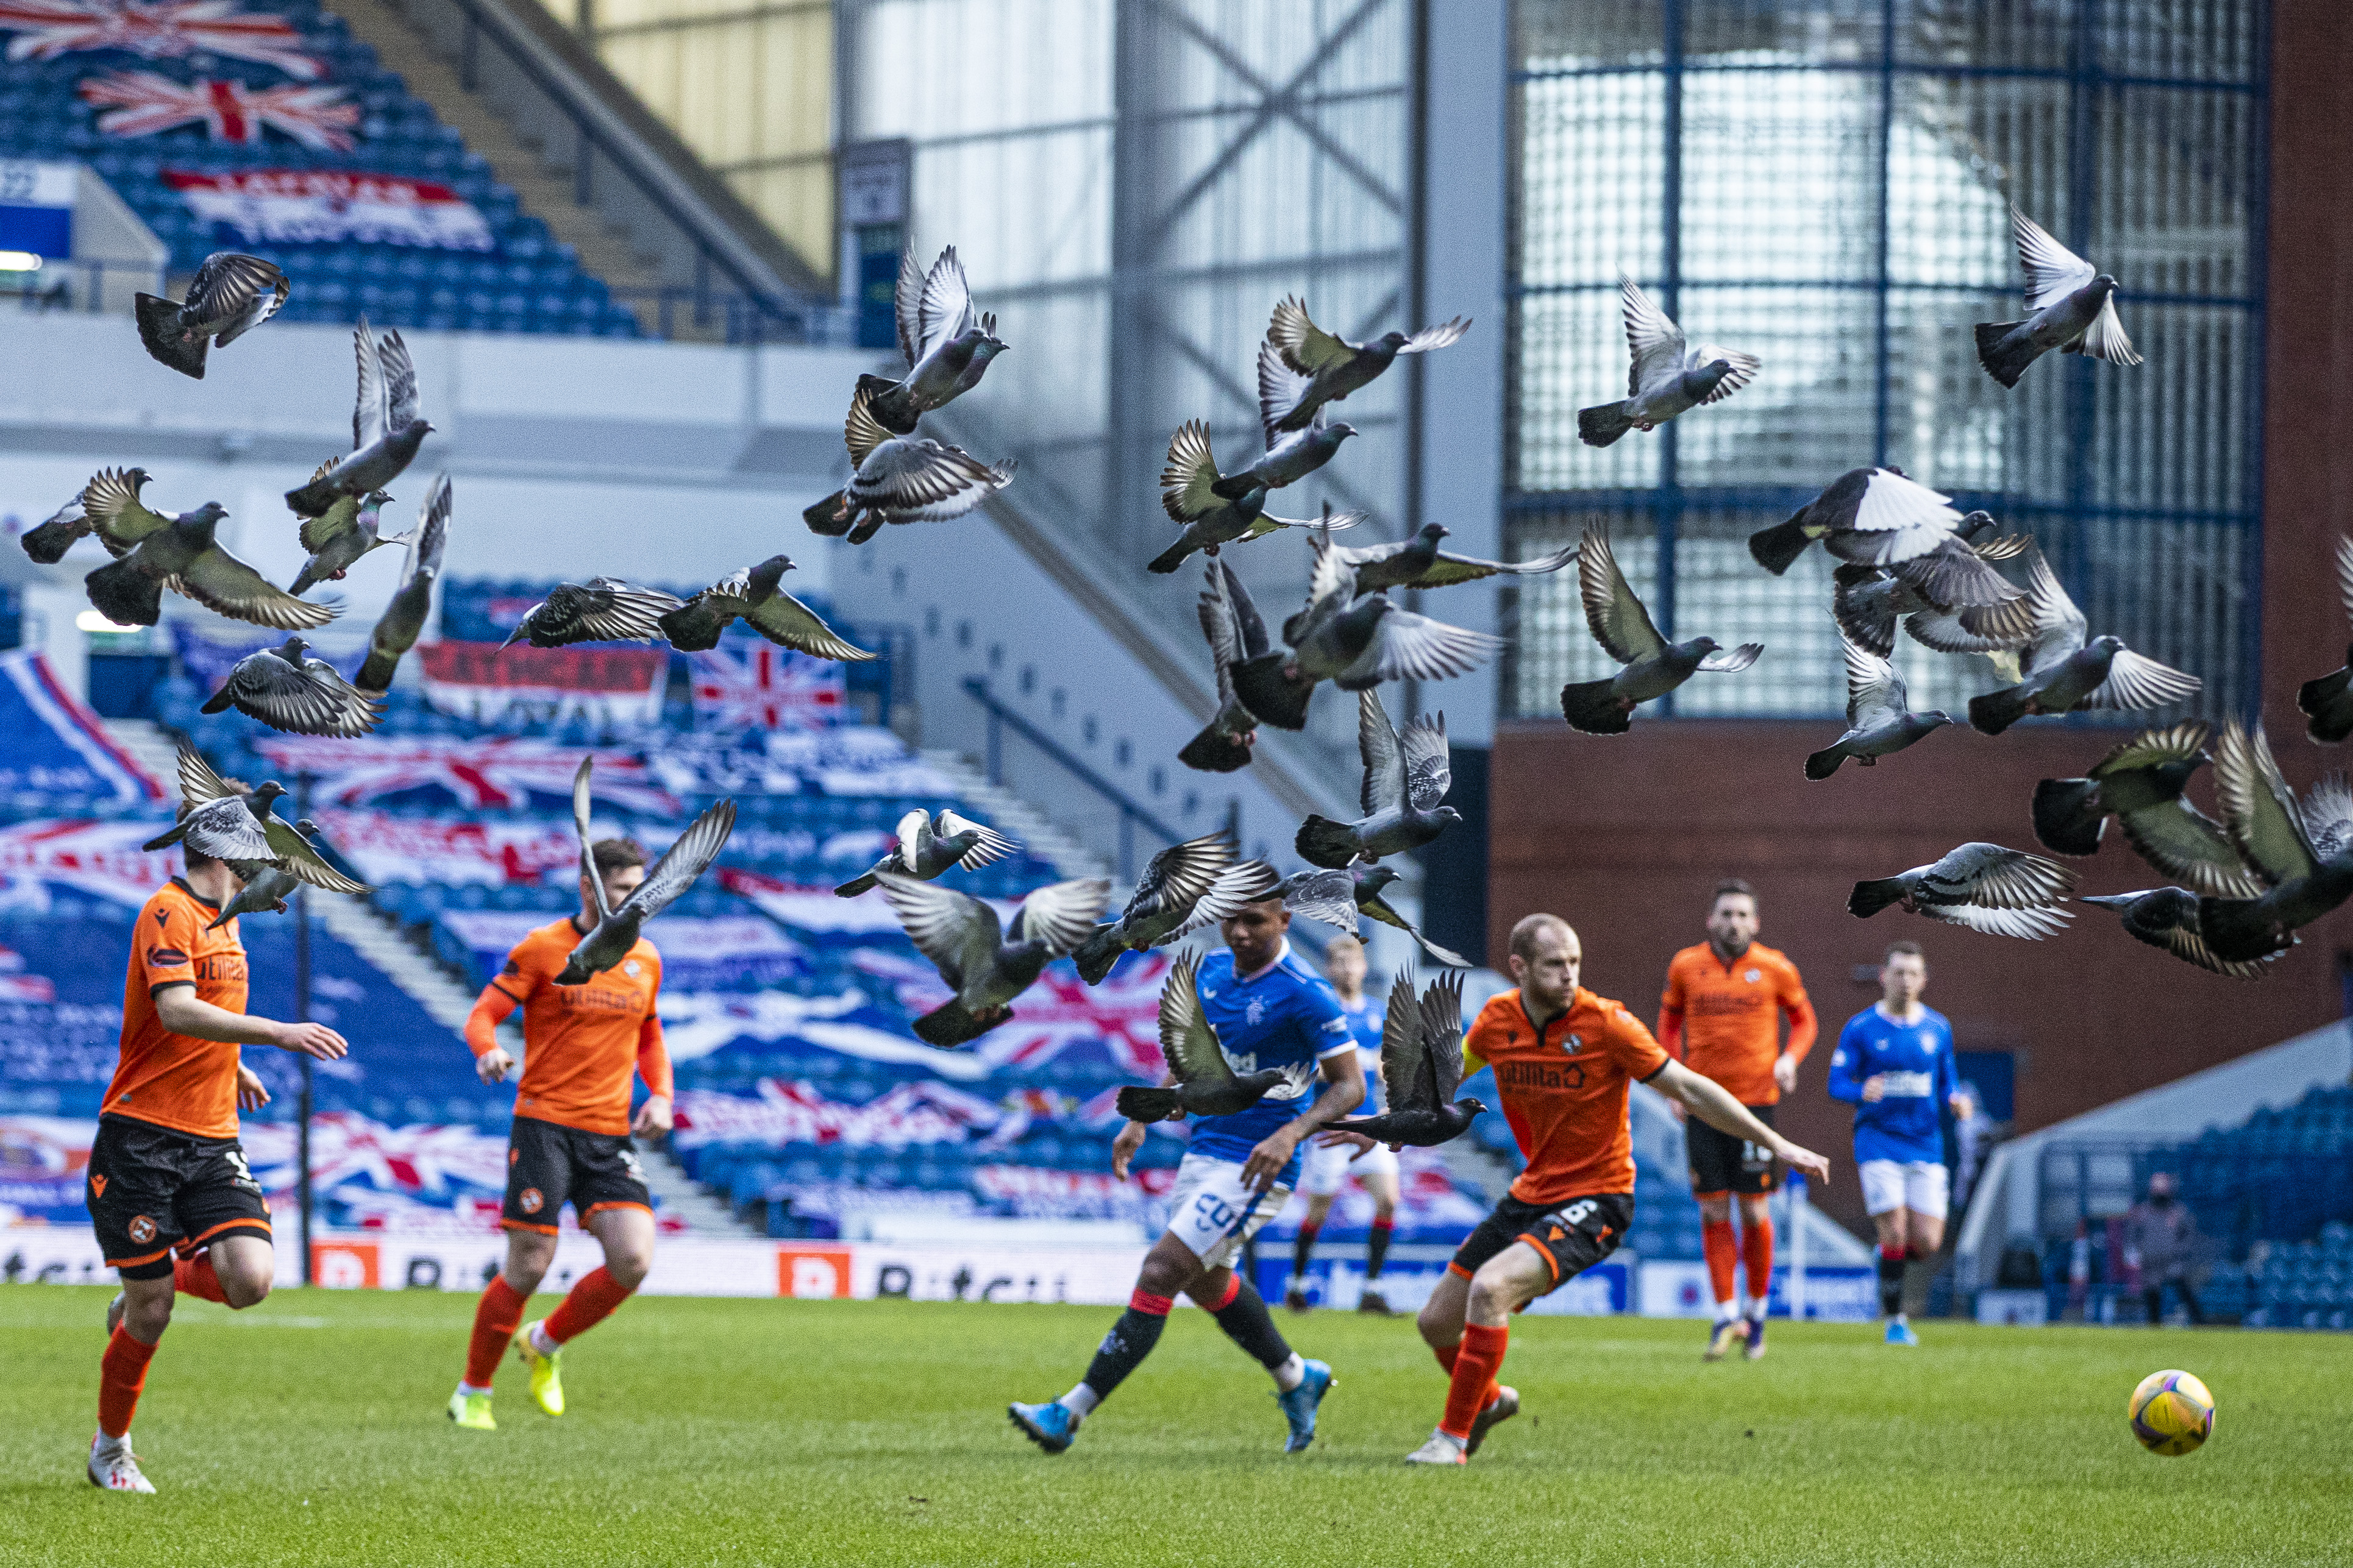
[1540,1075]
[1907,1085]
[595,998]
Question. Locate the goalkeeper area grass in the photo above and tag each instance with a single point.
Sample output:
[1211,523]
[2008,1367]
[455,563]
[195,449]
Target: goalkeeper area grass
[313,1429]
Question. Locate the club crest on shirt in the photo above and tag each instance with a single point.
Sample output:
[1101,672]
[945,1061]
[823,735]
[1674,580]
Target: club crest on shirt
[1572,1043]
[1753,976]
[632,969]
[1255,1012]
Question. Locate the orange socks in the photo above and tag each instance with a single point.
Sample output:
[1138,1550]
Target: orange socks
[1723,1252]
[1756,1258]
[1473,1387]
[122,1373]
[195,1277]
[592,1300]
[495,1321]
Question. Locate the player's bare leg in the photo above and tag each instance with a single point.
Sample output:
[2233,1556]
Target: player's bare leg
[1466,1323]
[626,1233]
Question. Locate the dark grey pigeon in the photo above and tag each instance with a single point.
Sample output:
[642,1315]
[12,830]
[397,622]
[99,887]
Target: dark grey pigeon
[1951,599]
[1418,563]
[266,893]
[1335,367]
[984,965]
[1230,621]
[926,847]
[2168,918]
[2140,782]
[1189,494]
[230,295]
[1355,641]
[403,620]
[1879,721]
[287,690]
[1983,887]
[1185,887]
[1406,777]
[386,429]
[1289,456]
[603,609]
[947,347]
[336,541]
[2302,851]
[1421,1067]
[617,929]
[753,596]
[1623,629]
[2328,701]
[1203,1081]
[178,549]
[901,479]
[2071,306]
[252,843]
[64,527]
[2063,671]
[1866,517]
[1668,376]
[1337,898]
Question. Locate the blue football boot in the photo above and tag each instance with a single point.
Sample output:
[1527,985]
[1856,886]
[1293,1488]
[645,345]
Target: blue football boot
[1052,1428]
[1300,1404]
[1900,1334]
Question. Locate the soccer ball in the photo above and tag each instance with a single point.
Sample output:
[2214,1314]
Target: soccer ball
[2172,1413]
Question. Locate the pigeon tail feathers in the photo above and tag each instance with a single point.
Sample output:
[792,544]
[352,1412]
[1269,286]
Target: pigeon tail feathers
[954,1023]
[159,329]
[1214,751]
[1995,711]
[1325,843]
[1140,1104]
[1776,549]
[855,886]
[1869,898]
[1825,763]
[2068,816]
[1170,559]
[830,518]
[1272,697]
[1592,708]
[2004,351]
[1097,955]
[124,594]
[1601,425]
[2324,703]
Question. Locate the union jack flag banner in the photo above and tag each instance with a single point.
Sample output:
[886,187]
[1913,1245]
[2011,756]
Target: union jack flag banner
[1122,1014]
[145,104]
[763,687]
[167,31]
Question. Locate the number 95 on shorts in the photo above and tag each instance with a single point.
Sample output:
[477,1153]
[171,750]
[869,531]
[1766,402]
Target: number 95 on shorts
[1213,1212]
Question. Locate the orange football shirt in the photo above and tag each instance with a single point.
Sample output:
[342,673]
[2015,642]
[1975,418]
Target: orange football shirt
[1563,1089]
[177,1080]
[580,1042]
[1727,1017]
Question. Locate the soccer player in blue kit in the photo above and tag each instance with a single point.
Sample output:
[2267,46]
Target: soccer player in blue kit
[1270,1010]
[1894,1065]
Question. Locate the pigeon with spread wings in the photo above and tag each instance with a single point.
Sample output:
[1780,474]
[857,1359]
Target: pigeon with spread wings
[1184,887]
[1291,455]
[1337,898]
[2071,306]
[230,295]
[1668,376]
[351,528]
[901,479]
[2327,702]
[2065,672]
[1202,1083]
[287,690]
[397,630]
[1865,517]
[755,596]
[1406,778]
[2140,782]
[239,829]
[1984,887]
[948,346]
[617,930]
[386,429]
[983,963]
[603,609]
[1951,599]
[1879,718]
[1335,367]
[1418,563]
[1208,517]
[1235,632]
[1421,1067]
[926,847]
[2301,850]
[179,550]
[2166,918]
[1623,627]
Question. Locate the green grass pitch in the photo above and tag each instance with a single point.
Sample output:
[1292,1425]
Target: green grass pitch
[310,1431]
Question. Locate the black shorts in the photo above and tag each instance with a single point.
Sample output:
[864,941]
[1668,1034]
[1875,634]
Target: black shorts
[151,1189]
[1723,1163]
[550,1165]
[1573,1236]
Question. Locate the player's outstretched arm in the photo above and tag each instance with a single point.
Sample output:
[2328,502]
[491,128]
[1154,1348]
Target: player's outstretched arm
[179,1009]
[1714,1104]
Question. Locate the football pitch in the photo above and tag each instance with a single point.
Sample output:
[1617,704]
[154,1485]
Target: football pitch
[310,1431]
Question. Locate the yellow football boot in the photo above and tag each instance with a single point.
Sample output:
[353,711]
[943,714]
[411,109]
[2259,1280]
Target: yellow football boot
[472,1411]
[546,1375]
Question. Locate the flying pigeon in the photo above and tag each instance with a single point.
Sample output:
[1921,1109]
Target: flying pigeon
[926,847]
[1355,641]
[386,429]
[1623,627]
[240,829]
[1418,563]
[1290,457]
[1867,517]
[1951,598]
[2071,307]
[1230,621]
[1189,494]
[267,893]
[2003,892]
[1185,887]
[604,609]
[2301,851]
[1421,1067]
[2064,672]
[1406,777]
[2168,918]
[59,533]
[946,345]
[230,295]
[403,616]
[1205,1083]
[288,690]
[1879,721]
[617,930]
[2141,782]
[987,966]
[1668,377]
[2328,701]
[753,595]
[336,541]
[1337,898]
[1335,367]
[178,550]
[901,479]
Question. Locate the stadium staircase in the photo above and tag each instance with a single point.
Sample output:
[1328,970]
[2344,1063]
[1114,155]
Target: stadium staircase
[1013,815]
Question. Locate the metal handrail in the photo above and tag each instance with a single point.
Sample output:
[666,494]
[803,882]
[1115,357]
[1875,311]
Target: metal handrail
[93,270]
[1002,718]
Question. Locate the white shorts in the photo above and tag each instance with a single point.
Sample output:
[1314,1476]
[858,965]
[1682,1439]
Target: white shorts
[1920,1186]
[1324,1171]
[1207,1206]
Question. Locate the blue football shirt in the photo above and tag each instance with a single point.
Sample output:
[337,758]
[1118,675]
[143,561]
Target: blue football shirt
[1285,1016]
[1365,1022]
[1905,1123]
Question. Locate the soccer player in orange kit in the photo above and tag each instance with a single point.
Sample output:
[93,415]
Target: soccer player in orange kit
[1721,1017]
[571,1141]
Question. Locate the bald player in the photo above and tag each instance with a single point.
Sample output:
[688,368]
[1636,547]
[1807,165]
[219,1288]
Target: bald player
[1565,1062]
[1721,1017]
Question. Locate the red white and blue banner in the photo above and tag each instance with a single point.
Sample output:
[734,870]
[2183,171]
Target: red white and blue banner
[778,1113]
[496,773]
[698,952]
[296,206]
[59,747]
[162,30]
[143,103]
[1060,1010]
[752,684]
[102,859]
